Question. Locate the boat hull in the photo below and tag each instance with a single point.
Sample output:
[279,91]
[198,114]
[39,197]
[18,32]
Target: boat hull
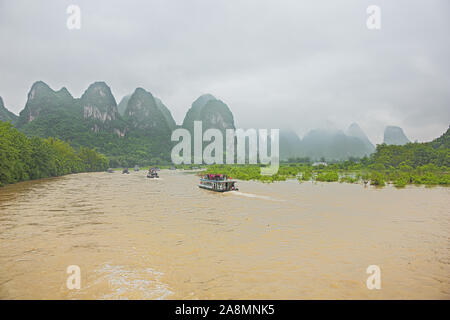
[212,189]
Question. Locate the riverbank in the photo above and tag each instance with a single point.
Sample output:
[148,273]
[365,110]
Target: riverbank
[345,172]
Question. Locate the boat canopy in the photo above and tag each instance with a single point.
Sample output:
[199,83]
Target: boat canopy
[216,177]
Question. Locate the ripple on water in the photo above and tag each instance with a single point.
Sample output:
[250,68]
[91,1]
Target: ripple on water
[123,283]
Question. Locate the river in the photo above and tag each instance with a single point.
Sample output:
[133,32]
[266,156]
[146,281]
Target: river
[138,238]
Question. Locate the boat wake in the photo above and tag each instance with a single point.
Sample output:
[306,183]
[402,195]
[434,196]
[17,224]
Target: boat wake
[257,196]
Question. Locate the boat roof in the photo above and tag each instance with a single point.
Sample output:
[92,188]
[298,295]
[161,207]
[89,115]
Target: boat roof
[223,181]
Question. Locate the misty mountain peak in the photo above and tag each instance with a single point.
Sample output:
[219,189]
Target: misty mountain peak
[140,100]
[395,135]
[354,126]
[143,113]
[39,88]
[99,89]
[98,103]
[203,100]
[143,93]
[63,92]
[212,112]
[43,99]
[354,130]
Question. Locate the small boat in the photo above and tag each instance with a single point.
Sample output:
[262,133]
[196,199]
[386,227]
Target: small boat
[136,168]
[125,170]
[110,170]
[152,173]
[218,183]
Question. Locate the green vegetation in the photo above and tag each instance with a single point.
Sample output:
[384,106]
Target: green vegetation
[327,176]
[5,114]
[23,158]
[342,172]
[413,163]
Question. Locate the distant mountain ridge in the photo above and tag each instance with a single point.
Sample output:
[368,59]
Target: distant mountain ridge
[326,144]
[94,120]
[333,145]
[137,131]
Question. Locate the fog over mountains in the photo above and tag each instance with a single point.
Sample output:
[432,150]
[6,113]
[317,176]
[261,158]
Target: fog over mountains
[139,127]
[289,64]
[395,135]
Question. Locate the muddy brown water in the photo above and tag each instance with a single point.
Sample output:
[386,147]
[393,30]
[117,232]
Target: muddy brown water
[138,238]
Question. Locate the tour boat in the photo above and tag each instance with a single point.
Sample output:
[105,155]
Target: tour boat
[217,182]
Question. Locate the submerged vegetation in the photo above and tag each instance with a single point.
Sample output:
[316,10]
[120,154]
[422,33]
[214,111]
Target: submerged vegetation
[347,172]
[413,163]
[343,172]
[23,158]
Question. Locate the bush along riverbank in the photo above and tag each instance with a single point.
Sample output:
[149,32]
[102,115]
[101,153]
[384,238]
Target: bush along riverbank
[355,173]
[414,163]
[23,158]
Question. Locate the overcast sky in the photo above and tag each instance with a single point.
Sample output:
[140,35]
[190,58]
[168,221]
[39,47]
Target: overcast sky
[277,64]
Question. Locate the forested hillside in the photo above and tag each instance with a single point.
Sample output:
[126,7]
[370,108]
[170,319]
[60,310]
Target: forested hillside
[140,136]
[23,158]
[415,154]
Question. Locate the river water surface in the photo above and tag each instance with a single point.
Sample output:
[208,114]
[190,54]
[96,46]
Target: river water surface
[138,238]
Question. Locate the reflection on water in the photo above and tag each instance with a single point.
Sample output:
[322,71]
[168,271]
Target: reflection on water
[138,238]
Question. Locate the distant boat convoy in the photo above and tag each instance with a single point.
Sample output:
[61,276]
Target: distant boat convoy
[213,182]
